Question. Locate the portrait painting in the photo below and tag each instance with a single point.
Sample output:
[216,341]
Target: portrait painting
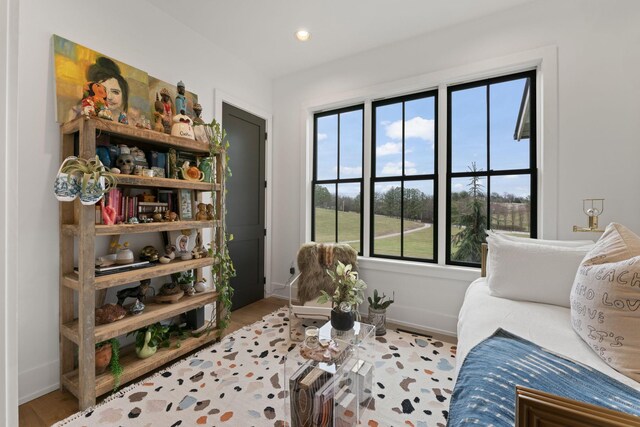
[157,87]
[127,88]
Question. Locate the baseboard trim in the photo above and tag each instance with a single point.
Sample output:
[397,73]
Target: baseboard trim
[31,381]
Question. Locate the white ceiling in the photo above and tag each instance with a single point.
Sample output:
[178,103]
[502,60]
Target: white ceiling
[261,32]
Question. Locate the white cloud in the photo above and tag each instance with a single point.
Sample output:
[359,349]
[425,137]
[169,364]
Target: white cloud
[395,168]
[350,172]
[413,128]
[389,148]
[322,136]
[458,186]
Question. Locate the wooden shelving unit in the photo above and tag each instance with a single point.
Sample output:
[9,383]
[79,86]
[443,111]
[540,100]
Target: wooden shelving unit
[79,290]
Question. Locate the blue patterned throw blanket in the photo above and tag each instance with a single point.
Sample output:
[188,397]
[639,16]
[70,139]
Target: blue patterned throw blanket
[484,393]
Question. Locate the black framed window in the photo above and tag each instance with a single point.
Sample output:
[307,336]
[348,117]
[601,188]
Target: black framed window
[338,142]
[491,163]
[404,183]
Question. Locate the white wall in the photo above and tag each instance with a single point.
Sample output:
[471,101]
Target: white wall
[140,35]
[597,129]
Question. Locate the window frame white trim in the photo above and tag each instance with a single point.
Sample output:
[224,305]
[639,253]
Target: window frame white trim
[544,60]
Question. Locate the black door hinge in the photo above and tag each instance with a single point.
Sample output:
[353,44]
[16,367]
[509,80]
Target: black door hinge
[266,136]
[264,280]
[265,231]
[265,184]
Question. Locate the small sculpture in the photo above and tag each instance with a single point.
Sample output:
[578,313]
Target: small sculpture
[173,164]
[182,127]
[109,313]
[201,215]
[197,108]
[133,220]
[157,217]
[125,163]
[139,292]
[169,289]
[149,253]
[170,216]
[190,291]
[95,100]
[181,100]
[158,115]
[108,214]
[123,118]
[210,214]
[168,111]
[170,254]
[201,285]
[136,308]
[190,173]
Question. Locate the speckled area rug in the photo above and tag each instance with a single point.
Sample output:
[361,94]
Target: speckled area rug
[240,382]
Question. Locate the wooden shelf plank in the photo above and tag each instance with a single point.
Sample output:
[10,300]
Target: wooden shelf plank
[137,134]
[116,279]
[154,312]
[135,367]
[108,230]
[147,181]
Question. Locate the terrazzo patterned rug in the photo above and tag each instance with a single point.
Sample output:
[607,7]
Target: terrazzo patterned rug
[240,382]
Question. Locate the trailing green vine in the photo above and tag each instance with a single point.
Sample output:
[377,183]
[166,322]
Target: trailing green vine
[223,270]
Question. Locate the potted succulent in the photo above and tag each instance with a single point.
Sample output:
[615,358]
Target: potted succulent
[349,293]
[378,311]
[91,176]
[148,339]
[108,354]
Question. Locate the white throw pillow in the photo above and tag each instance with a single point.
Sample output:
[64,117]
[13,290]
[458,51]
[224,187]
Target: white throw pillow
[564,243]
[526,271]
[605,300]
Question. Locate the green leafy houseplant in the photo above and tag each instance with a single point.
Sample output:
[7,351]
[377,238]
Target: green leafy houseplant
[349,292]
[378,302]
[223,270]
[149,338]
[114,364]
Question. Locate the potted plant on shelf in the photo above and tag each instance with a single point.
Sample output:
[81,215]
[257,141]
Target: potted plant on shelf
[148,339]
[378,311]
[108,354]
[92,177]
[349,293]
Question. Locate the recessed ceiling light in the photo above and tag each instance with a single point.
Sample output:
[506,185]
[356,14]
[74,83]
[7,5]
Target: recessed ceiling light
[303,35]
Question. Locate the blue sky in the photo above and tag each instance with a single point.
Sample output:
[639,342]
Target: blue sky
[468,137]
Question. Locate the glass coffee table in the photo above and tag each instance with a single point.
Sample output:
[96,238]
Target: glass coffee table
[337,389]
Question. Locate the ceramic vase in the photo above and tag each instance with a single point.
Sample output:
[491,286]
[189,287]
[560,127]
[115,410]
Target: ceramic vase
[93,192]
[146,350]
[342,320]
[378,318]
[66,187]
[103,358]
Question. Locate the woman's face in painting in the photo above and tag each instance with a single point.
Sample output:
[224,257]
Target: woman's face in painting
[114,93]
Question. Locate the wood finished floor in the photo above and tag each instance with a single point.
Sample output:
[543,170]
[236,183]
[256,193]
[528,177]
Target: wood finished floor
[58,405]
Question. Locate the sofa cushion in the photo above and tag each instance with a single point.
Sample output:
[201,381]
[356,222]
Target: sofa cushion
[605,300]
[526,271]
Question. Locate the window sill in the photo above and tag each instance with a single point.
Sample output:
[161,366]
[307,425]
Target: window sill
[419,269]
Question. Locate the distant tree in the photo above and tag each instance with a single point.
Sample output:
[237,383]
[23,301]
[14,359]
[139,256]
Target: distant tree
[323,198]
[473,221]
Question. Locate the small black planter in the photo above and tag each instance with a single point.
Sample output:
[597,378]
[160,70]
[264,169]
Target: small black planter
[342,321]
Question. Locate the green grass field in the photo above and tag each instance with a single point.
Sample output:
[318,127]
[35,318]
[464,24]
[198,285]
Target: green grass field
[418,244]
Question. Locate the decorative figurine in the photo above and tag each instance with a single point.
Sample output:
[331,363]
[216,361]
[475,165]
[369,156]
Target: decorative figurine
[170,216]
[109,313]
[169,292]
[201,285]
[149,253]
[201,215]
[108,214]
[168,111]
[182,127]
[210,214]
[190,173]
[139,292]
[95,98]
[173,164]
[181,100]
[157,217]
[133,220]
[123,118]
[136,308]
[197,120]
[206,166]
[158,115]
[125,163]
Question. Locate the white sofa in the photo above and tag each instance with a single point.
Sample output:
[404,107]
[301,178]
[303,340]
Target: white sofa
[546,325]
